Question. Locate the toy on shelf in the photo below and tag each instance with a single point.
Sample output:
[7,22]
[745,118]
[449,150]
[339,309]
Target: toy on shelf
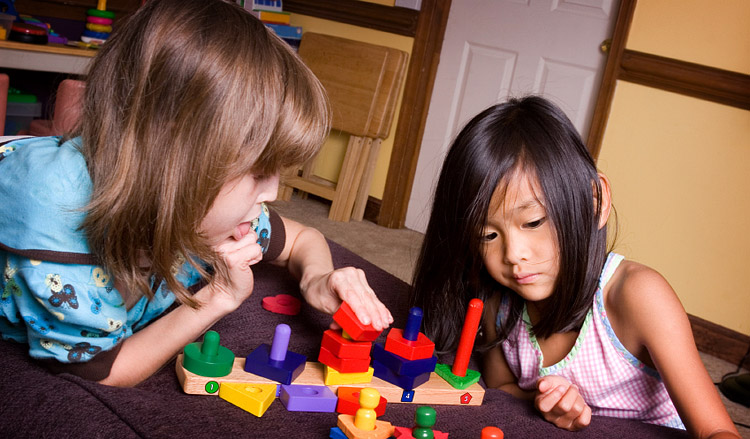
[275,362]
[98,24]
[406,359]
[424,420]
[364,424]
[459,376]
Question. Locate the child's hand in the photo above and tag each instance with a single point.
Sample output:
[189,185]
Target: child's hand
[239,255]
[561,404]
[350,285]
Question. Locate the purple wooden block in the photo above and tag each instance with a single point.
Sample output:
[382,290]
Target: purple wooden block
[303,398]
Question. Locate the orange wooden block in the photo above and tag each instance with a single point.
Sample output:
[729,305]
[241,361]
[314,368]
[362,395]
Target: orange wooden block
[418,349]
[349,322]
[383,429]
[339,346]
[348,403]
[343,365]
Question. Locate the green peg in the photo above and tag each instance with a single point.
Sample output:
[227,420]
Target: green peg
[208,359]
[425,420]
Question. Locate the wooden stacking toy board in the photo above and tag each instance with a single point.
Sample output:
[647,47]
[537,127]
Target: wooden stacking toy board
[436,391]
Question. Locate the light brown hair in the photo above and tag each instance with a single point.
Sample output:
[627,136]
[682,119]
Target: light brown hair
[186,95]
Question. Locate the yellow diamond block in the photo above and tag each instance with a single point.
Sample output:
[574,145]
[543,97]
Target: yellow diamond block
[335,378]
[253,398]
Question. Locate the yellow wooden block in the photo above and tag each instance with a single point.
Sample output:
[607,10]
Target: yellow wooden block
[253,398]
[335,378]
[382,430]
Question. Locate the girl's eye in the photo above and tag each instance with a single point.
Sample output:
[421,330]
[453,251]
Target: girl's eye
[489,237]
[535,224]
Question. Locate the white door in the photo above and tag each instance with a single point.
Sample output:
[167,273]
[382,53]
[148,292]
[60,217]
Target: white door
[494,49]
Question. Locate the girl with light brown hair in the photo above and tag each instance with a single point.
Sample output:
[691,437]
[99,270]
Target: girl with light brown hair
[192,109]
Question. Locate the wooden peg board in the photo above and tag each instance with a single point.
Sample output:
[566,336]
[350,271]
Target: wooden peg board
[436,391]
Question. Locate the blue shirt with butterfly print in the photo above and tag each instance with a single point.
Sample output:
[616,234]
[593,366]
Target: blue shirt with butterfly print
[64,311]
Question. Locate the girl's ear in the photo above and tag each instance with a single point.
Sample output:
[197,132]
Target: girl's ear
[606,201]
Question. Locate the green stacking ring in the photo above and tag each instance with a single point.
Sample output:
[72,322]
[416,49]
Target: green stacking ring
[102,14]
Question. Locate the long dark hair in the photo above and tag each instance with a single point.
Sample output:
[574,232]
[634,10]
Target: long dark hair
[529,133]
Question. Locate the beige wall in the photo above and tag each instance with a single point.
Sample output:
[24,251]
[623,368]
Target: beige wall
[332,154]
[680,167]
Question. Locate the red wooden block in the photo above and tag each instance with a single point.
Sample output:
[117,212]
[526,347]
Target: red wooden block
[343,365]
[349,402]
[349,322]
[418,349]
[335,343]
[282,304]
[405,433]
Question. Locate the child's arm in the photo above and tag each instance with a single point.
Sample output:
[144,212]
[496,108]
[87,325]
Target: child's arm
[647,313]
[308,258]
[557,401]
[148,349]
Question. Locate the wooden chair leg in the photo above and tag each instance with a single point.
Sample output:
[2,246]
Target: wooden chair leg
[363,192]
[348,182]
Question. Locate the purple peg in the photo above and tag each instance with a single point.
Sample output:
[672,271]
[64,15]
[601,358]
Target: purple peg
[280,342]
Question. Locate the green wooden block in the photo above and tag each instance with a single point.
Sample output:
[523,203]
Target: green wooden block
[444,371]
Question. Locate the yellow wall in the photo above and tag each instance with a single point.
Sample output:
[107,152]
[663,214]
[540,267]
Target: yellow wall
[680,167]
[329,160]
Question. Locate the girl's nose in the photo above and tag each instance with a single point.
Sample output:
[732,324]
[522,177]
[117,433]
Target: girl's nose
[515,249]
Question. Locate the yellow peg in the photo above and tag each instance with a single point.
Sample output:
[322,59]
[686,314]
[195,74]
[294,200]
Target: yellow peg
[365,417]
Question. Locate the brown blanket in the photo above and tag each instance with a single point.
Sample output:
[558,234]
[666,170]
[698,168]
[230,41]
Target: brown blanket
[38,404]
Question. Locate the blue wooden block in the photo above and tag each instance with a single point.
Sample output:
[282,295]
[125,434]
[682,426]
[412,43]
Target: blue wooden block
[304,398]
[400,365]
[406,382]
[260,363]
[336,433]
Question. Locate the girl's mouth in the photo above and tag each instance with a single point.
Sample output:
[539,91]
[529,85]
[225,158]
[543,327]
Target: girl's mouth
[526,278]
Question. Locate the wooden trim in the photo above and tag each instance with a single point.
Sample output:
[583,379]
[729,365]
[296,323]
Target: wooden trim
[401,21]
[696,80]
[609,80]
[420,78]
[719,341]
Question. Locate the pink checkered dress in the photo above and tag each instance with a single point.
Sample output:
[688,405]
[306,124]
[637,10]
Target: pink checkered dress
[611,380]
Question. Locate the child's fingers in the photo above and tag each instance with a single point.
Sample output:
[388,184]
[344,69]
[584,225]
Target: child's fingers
[350,284]
[564,407]
[545,402]
[583,420]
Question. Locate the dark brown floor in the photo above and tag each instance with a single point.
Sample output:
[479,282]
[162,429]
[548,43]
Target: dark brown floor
[395,251]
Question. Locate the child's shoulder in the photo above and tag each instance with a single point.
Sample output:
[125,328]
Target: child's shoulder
[636,289]
[633,280]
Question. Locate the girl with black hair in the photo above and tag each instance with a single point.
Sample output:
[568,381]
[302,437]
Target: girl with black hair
[519,220]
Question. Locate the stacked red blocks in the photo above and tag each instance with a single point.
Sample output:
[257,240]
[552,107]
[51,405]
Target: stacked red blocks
[407,358]
[348,350]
